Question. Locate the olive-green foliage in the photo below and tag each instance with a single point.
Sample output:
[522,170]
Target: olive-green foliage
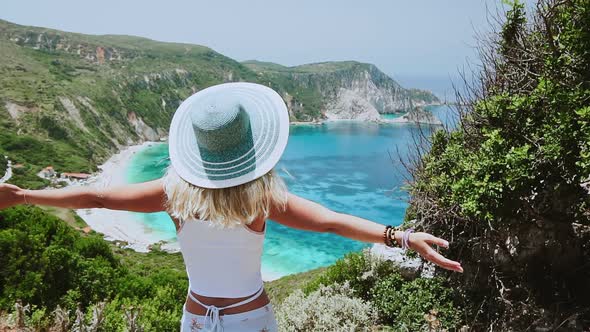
[330,308]
[400,303]
[42,259]
[26,177]
[54,129]
[160,311]
[517,166]
[403,304]
[516,144]
[44,263]
[279,289]
[360,270]
[35,153]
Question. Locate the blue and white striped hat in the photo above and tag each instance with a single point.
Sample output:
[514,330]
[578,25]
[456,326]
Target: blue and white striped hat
[228,134]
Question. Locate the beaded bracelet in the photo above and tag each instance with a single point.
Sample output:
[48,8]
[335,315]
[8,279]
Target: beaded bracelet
[389,236]
[392,237]
[386,235]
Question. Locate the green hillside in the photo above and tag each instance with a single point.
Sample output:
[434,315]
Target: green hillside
[312,68]
[70,100]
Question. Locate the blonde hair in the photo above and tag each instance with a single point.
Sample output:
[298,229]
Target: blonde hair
[226,207]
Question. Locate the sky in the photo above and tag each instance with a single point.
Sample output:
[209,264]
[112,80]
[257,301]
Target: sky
[421,43]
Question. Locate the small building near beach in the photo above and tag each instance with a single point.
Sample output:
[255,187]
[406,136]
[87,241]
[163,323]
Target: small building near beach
[47,172]
[75,176]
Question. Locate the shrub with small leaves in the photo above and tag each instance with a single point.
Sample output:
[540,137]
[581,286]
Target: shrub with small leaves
[359,269]
[415,304]
[403,304]
[330,308]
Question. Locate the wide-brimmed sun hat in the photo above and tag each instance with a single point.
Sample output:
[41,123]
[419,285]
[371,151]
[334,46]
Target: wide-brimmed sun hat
[228,134]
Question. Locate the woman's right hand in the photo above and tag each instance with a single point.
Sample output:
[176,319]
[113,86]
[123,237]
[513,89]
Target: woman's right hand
[422,243]
[10,195]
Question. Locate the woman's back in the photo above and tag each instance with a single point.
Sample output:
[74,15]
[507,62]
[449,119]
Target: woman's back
[221,262]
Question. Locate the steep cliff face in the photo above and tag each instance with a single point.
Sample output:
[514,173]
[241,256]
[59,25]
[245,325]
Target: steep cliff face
[345,90]
[81,97]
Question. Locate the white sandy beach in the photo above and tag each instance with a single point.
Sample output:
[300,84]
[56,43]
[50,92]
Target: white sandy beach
[121,225]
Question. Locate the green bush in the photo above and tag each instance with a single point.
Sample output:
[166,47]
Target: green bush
[54,129]
[26,177]
[404,305]
[161,311]
[330,308]
[40,261]
[386,298]
[45,263]
[39,319]
[360,270]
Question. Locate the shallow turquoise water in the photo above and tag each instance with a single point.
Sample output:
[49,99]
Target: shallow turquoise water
[391,116]
[350,167]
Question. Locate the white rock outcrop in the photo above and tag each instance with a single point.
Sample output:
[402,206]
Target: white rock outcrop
[410,267]
[351,104]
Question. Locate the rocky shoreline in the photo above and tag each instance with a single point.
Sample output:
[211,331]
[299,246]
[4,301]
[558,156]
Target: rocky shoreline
[419,115]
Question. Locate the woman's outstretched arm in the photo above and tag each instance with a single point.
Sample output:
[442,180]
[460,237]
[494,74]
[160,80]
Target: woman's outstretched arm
[307,215]
[140,197]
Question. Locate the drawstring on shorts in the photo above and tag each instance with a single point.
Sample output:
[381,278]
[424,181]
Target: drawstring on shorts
[212,319]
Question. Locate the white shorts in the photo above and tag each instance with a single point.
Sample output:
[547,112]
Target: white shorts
[257,320]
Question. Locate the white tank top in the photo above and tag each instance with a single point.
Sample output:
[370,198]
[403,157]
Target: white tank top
[221,262]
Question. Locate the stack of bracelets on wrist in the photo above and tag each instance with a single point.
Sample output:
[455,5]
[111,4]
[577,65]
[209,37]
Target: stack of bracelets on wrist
[406,238]
[389,236]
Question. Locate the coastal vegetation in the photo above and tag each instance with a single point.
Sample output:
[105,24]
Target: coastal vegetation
[47,265]
[394,300]
[54,276]
[510,187]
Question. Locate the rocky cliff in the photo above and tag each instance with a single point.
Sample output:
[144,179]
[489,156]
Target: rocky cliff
[345,90]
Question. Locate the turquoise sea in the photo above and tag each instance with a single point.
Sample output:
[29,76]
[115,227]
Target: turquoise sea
[348,166]
[391,116]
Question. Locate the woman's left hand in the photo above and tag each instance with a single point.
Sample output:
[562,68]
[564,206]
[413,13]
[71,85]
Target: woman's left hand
[422,244]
